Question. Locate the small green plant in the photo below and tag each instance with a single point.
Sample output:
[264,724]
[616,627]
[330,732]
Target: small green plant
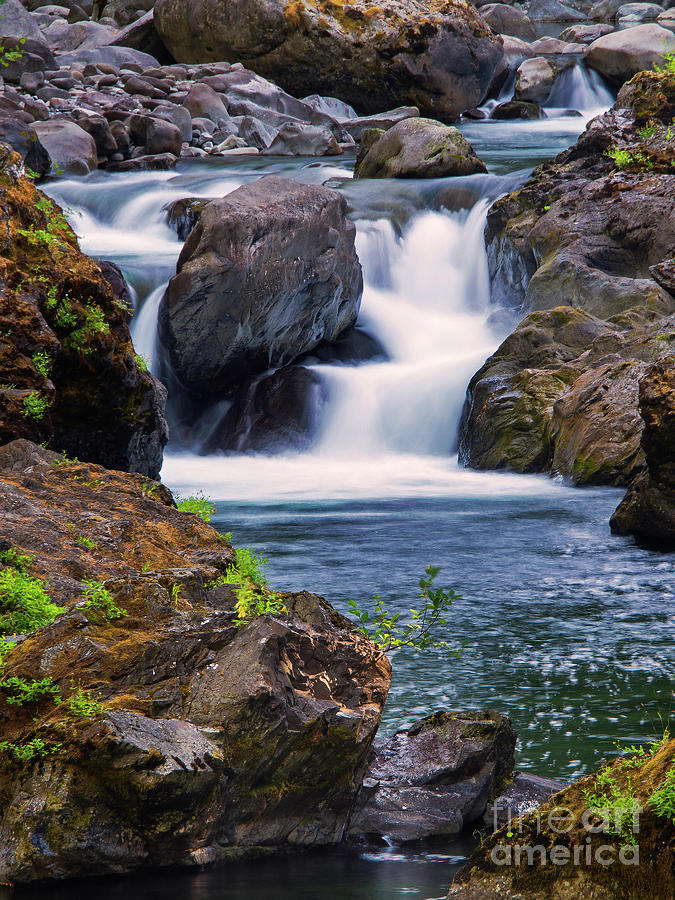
[199,505]
[19,561]
[42,364]
[94,326]
[616,805]
[669,64]
[175,592]
[30,750]
[24,604]
[623,158]
[86,542]
[34,406]
[5,647]
[662,801]
[254,597]
[387,632]
[51,300]
[65,460]
[648,130]
[65,316]
[9,56]
[21,691]
[82,704]
[101,600]
[141,363]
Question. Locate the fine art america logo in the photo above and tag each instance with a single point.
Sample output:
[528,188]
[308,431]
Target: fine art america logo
[623,823]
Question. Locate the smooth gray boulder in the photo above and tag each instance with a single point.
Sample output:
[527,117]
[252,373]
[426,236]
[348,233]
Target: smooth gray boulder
[70,147]
[358,126]
[631,14]
[585,34]
[62,36]
[418,148]
[111,56]
[504,19]
[204,103]
[331,106]
[15,21]
[298,139]
[266,274]
[534,78]
[620,55]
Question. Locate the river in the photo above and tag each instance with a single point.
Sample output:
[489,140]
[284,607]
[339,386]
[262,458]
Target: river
[567,629]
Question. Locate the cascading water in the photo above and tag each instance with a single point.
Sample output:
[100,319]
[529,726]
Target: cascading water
[581,89]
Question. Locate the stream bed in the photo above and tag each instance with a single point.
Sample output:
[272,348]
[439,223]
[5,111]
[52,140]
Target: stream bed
[567,629]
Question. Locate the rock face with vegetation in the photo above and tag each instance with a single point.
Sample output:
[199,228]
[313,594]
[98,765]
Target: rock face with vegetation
[416,148]
[435,777]
[648,509]
[439,55]
[533,857]
[587,244]
[68,372]
[267,273]
[184,733]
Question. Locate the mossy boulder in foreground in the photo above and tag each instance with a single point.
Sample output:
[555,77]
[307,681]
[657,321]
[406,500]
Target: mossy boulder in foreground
[204,740]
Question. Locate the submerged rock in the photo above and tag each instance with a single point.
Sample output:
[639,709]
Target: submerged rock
[435,777]
[417,148]
[205,741]
[268,273]
[648,509]
[439,56]
[525,793]
[68,370]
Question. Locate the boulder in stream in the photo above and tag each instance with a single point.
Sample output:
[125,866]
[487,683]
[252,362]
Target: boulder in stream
[435,777]
[417,148]
[621,55]
[267,274]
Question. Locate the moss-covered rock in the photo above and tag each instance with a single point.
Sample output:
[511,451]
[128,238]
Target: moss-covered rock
[68,373]
[585,854]
[202,740]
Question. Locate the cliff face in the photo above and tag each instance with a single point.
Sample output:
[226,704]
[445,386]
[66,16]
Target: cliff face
[68,373]
[180,737]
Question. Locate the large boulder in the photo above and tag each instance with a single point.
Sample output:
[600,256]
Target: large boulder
[620,55]
[16,21]
[438,55]
[22,138]
[418,148]
[204,740]
[504,19]
[648,509]
[72,150]
[68,370]
[435,777]
[534,78]
[267,273]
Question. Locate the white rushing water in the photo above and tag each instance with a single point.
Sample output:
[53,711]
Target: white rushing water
[389,428]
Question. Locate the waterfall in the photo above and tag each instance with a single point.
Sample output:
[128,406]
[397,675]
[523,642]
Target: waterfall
[579,88]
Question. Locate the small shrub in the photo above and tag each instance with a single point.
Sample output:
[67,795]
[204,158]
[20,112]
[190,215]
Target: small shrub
[662,801]
[647,131]
[42,364]
[30,750]
[669,64]
[86,542]
[101,600]
[198,505]
[387,632]
[24,604]
[141,363]
[617,806]
[19,561]
[254,598]
[34,406]
[22,691]
[82,704]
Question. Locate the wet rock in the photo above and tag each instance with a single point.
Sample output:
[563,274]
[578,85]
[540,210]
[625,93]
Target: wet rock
[230,313]
[434,778]
[303,140]
[163,137]
[273,414]
[648,509]
[553,11]
[22,138]
[585,34]
[631,14]
[70,147]
[203,102]
[94,401]
[504,19]
[157,162]
[331,106]
[358,126]
[256,134]
[35,57]
[183,215]
[237,737]
[525,793]
[517,109]
[438,56]
[667,19]
[418,148]
[353,347]
[534,79]
[620,55]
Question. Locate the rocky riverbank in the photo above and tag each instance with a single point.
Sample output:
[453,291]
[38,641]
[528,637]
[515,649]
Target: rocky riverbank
[588,245]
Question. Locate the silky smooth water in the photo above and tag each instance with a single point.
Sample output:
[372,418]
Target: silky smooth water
[565,628]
